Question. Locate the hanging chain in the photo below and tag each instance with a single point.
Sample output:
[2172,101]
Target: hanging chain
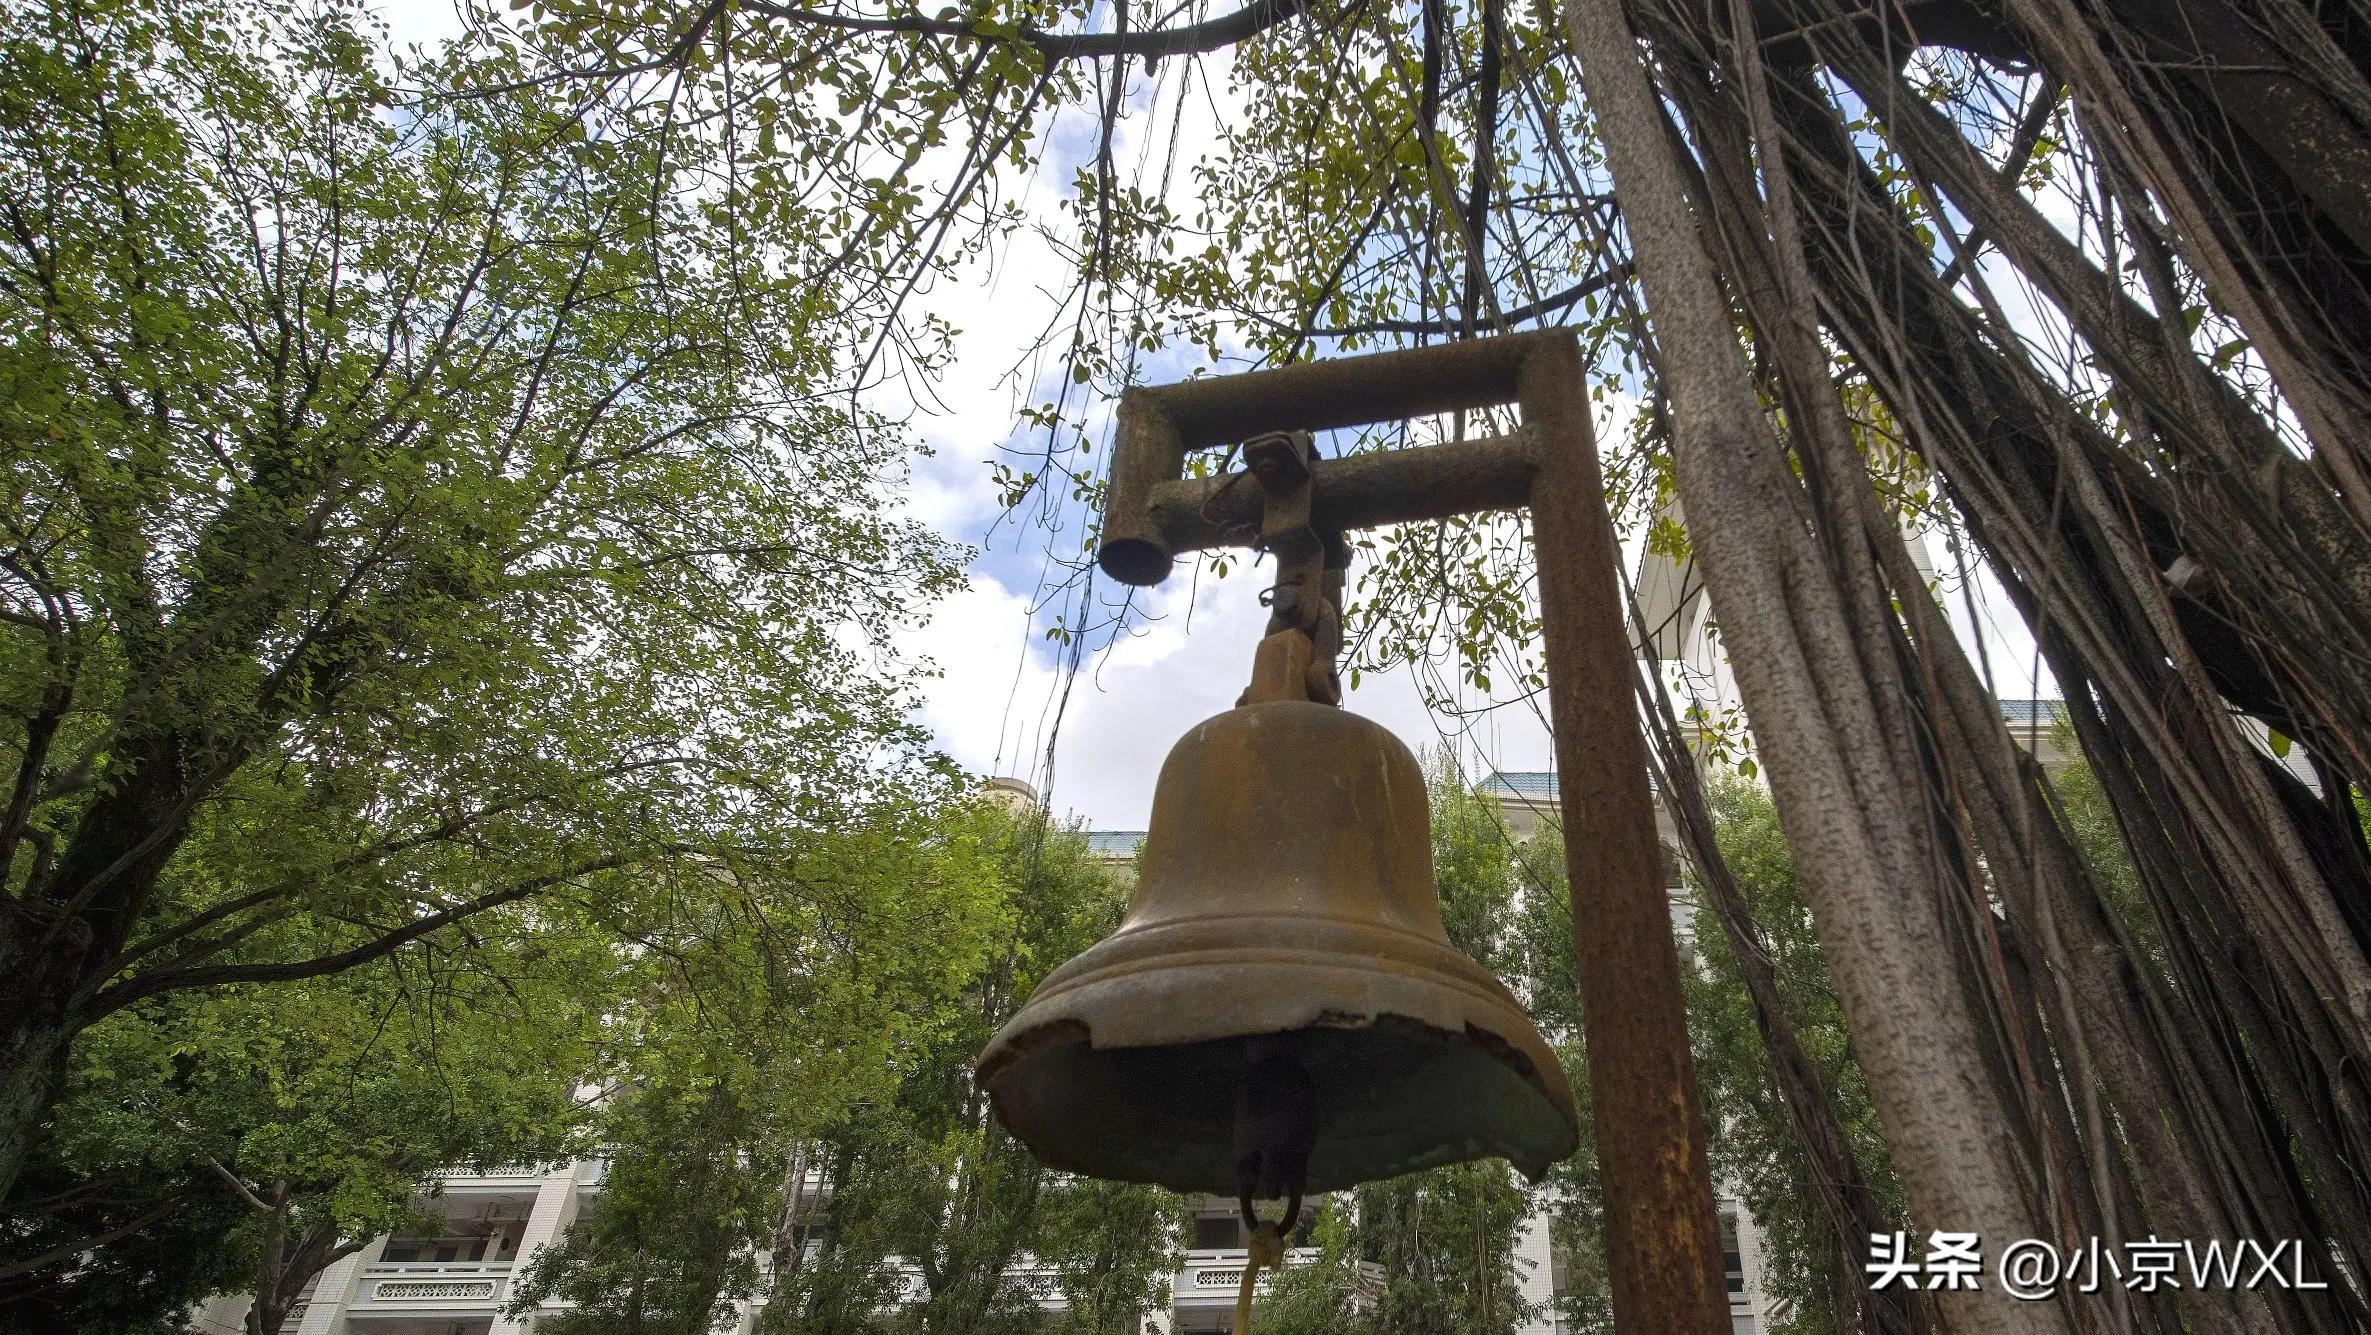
[1304,636]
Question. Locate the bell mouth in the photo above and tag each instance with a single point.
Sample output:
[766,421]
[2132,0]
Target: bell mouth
[1126,1062]
[1393,1094]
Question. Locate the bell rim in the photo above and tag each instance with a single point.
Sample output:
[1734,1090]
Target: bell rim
[1323,982]
[1326,985]
[1322,989]
[1308,1008]
[1533,1160]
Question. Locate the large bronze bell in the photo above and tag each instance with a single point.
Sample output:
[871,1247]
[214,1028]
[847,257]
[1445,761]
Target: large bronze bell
[1281,1010]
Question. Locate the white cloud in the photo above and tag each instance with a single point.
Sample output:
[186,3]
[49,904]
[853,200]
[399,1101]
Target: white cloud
[1000,696]
[420,22]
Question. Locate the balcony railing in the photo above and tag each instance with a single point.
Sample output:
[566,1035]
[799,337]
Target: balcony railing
[1209,1275]
[503,1173]
[396,1285]
[1214,1275]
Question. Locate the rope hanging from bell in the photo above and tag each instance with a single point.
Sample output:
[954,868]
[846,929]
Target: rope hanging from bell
[1267,1252]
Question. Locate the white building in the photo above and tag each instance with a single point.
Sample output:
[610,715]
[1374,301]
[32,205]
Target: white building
[449,1276]
[452,1275]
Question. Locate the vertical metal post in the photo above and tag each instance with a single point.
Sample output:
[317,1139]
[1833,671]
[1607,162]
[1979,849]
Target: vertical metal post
[1662,1230]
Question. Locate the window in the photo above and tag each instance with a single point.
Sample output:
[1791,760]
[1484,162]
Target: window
[1217,1232]
[400,1249]
[1224,1232]
[1732,1258]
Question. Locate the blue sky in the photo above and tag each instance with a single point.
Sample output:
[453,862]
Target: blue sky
[1002,701]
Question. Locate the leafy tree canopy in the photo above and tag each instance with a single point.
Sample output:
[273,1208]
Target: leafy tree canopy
[417,508]
[320,1106]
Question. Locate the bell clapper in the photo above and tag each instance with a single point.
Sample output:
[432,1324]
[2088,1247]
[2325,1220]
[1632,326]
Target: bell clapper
[1275,1128]
[1275,1132]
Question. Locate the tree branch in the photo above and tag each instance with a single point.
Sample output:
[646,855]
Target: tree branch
[70,1250]
[1477,209]
[112,999]
[449,828]
[1545,306]
[245,1192]
[2021,150]
[1151,43]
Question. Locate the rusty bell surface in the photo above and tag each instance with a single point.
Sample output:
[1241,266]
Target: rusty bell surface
[1284,946]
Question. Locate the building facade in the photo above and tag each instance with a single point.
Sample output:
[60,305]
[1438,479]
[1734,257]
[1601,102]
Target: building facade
[448,1275]
[451,1274]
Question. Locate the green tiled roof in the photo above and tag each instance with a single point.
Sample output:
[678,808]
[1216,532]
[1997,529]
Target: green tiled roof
[1114,843]
[1535,784]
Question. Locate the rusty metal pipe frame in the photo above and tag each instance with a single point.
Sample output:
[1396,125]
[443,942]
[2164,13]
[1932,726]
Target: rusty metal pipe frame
[1351,391]
[1662,1230]
[1355,491]
[1159,425]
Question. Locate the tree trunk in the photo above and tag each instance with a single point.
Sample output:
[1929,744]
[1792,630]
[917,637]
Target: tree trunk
[791,1224]
[33,1051]
[2004,443]
[270,1308]
[1850,815]
[60,939]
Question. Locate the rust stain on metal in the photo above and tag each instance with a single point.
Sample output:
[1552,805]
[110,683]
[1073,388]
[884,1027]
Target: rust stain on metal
[1263,921]
[1663,1232]
[1284,921]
